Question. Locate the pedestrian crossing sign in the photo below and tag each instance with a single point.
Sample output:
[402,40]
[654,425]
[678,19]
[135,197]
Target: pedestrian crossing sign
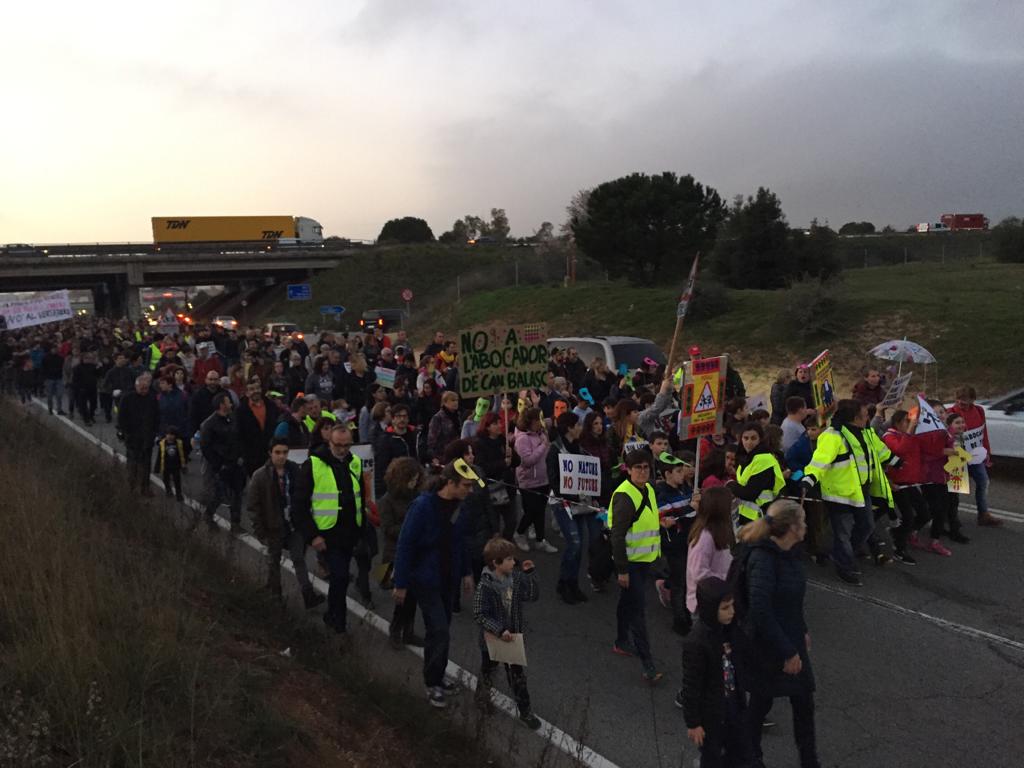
[706,401]
[702,397]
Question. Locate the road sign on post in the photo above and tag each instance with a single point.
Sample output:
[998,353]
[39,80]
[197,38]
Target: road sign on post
[299,292]
[407,295]
[334,309]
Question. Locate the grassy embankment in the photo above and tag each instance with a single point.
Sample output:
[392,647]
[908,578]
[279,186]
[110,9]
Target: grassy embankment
[965,310]
[124,642]
[969,315]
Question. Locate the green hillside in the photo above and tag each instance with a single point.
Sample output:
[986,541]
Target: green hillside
[969,315]
[967,312]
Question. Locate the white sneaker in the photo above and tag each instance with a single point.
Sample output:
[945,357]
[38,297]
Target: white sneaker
[531,533]
[545,546]
[521,542]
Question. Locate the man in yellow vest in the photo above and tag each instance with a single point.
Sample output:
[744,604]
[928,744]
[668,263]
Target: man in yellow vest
[847,468]
[636,544]
[330,508]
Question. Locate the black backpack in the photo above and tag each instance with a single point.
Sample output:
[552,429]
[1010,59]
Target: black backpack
[737,581]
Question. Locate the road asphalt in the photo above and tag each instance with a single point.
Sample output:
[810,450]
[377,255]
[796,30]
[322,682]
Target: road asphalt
[922,666]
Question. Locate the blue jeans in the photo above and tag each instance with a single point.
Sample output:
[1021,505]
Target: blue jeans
[851,528]
[337,564]
[55,391]
[572,529]
[979,474]
[436,608]
[631,614]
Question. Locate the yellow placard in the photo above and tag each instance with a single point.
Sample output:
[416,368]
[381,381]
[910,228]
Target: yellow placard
[823,385]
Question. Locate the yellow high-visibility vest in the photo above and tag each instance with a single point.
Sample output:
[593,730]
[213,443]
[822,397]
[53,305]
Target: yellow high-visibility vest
[643,541]
[752,510]
[326,501]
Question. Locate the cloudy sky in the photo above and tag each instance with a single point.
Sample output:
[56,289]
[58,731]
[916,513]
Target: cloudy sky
[356,112]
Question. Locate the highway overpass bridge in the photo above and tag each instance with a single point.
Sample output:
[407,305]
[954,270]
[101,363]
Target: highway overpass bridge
[115,279]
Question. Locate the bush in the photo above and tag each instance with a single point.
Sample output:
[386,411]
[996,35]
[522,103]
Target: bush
[812,309]
[710,299]
[1008,240]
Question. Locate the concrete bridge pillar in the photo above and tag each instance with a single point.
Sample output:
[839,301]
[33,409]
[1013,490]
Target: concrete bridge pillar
[132,304]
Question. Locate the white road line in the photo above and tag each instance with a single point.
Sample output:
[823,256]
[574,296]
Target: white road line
[1004,514]
[561,740]
[952,626]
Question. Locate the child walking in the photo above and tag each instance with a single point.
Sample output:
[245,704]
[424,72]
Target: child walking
[713,704]
[170,458]
[498,609]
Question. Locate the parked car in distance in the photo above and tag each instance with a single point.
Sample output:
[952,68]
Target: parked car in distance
[1005,419]
[615,350]
[226,321]
[270,330]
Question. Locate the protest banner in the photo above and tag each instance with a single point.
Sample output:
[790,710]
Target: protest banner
[823,386]
[385,377]
[579,475]
[703,397]
[51,308]
[502,358]
[897,390]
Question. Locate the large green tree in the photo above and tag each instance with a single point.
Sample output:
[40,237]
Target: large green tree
[408,229]
[646,228]
[757,249]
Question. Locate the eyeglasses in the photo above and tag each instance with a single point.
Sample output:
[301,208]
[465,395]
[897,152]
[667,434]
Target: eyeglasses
[341,445]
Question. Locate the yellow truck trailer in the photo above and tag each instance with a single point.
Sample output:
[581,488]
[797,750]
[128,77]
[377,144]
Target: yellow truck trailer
[234,229]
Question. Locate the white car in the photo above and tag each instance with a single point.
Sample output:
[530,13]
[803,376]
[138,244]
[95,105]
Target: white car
[226,321]
[270,330]
[1005,419]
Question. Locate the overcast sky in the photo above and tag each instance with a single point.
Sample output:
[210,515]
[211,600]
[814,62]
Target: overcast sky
[356,112]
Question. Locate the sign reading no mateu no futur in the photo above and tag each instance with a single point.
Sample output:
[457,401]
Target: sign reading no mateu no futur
[502,358]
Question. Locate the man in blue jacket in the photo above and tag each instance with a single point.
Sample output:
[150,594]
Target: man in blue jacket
[430,561]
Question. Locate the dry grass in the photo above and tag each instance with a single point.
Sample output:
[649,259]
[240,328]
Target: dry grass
[126,642]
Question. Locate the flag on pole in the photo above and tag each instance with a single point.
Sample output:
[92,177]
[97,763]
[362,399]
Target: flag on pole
[684,300]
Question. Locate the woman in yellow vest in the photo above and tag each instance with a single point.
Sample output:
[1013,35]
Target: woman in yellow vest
[636,544]
[759,476]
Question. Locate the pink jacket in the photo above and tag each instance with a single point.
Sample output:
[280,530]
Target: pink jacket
[704,560]
[533,452]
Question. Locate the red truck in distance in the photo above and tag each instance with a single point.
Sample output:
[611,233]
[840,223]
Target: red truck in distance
[964,221]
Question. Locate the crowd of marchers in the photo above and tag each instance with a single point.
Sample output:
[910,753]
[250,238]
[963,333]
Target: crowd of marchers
[438,499]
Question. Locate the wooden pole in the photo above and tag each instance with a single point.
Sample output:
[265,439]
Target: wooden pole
[669,370]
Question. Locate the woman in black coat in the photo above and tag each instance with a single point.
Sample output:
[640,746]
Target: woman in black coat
[800,386]
[774,658]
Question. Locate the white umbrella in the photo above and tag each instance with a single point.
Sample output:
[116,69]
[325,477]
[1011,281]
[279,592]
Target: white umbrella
[904,351]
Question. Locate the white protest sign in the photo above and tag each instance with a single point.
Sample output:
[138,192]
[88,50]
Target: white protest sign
[365,452]
[579,474]
[634,445]
[894,395]
[974,442]
[927,419]
[52,308]
[757,402]
[385,377]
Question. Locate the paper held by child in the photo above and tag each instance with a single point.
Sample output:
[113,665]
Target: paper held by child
[511,652]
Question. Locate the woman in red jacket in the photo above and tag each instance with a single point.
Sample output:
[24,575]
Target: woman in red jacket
[906,480]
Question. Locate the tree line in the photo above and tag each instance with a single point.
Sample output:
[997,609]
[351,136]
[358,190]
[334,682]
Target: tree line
[647,229]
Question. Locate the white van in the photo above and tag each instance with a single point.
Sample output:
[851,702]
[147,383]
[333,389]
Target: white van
[615,350]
